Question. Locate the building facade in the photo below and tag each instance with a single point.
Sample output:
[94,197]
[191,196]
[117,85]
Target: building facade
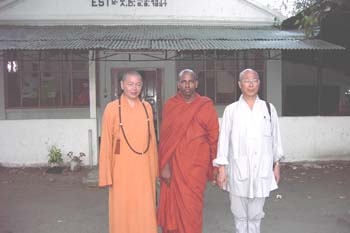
[61,62]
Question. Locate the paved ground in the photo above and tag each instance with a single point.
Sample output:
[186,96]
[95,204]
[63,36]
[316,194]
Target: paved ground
[313,198]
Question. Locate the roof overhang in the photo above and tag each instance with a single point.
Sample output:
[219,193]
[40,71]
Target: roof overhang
[156,38]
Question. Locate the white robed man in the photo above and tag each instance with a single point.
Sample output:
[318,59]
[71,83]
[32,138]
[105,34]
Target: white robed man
[249,151]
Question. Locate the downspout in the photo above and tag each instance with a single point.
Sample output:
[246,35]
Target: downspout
[2,86]
[319,83]
[92,133]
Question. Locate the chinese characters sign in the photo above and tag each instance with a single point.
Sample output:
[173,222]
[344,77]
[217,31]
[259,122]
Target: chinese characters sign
[129,3]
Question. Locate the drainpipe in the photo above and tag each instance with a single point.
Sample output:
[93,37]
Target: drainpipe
[319,83]
[93,107]
[2,88]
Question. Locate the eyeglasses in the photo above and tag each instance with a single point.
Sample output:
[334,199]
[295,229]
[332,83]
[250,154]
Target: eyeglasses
[250,81]
[132,85]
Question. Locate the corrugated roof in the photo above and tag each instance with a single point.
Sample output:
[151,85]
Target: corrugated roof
[155,37]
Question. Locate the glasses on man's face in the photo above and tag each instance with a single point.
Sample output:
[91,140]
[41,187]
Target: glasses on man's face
[132,85]
[250,81]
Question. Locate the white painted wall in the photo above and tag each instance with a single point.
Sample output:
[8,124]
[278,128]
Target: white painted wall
[25,142]
[315,138]
[103,12]
[47,113]
[274,84]
[304,138]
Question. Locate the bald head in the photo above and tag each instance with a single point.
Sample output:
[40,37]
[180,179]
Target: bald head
[187,72]
[246,72]
[131,73]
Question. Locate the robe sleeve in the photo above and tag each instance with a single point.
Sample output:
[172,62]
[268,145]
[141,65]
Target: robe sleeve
[276,136]
[208,119]
[224,139]
[154,155]
[165,130]
[213,134]
[213,130]
[106,148]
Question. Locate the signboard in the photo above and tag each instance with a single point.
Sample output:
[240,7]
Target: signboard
[129,3]
[63,12]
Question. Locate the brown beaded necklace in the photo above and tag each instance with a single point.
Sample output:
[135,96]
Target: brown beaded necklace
[124,134]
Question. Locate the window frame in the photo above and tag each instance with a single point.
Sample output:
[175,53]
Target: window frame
[68,57]
[326,97]
[241,60]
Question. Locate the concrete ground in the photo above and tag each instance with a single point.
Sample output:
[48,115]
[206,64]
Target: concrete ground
[312,198]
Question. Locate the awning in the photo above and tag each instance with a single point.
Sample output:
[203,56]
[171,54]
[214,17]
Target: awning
[156,37]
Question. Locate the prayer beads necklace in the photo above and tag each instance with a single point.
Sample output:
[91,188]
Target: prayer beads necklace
[123,131]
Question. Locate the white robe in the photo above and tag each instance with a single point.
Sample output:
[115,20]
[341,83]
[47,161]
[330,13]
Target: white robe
[249,144]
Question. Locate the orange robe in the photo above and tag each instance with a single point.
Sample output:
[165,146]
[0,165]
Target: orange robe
[131,178]
[188,140]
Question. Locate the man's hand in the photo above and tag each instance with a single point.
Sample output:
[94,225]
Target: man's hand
[215,175]
[221,178]
[165,174]
[276,172]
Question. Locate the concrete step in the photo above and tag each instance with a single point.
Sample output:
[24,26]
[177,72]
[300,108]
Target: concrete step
[92,178]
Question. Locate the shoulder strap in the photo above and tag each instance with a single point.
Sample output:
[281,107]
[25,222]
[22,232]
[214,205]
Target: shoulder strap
[268,108]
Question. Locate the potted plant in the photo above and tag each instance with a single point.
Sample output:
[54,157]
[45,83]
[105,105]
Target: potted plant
[55,156]
[55,160]
[75,161]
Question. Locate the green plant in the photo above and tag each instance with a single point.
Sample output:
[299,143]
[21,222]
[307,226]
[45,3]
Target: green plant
[55,155]
[310,21]
[313,12]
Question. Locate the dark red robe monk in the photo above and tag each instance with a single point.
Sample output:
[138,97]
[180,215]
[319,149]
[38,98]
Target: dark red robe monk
[188,141]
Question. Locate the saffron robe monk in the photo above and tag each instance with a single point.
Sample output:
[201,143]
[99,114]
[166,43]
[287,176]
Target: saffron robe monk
[130,175]
[188,142]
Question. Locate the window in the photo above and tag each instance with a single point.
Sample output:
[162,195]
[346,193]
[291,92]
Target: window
[314,88]
[218,85]
[47,79]
[335,93]
[12,66]
[218,72]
